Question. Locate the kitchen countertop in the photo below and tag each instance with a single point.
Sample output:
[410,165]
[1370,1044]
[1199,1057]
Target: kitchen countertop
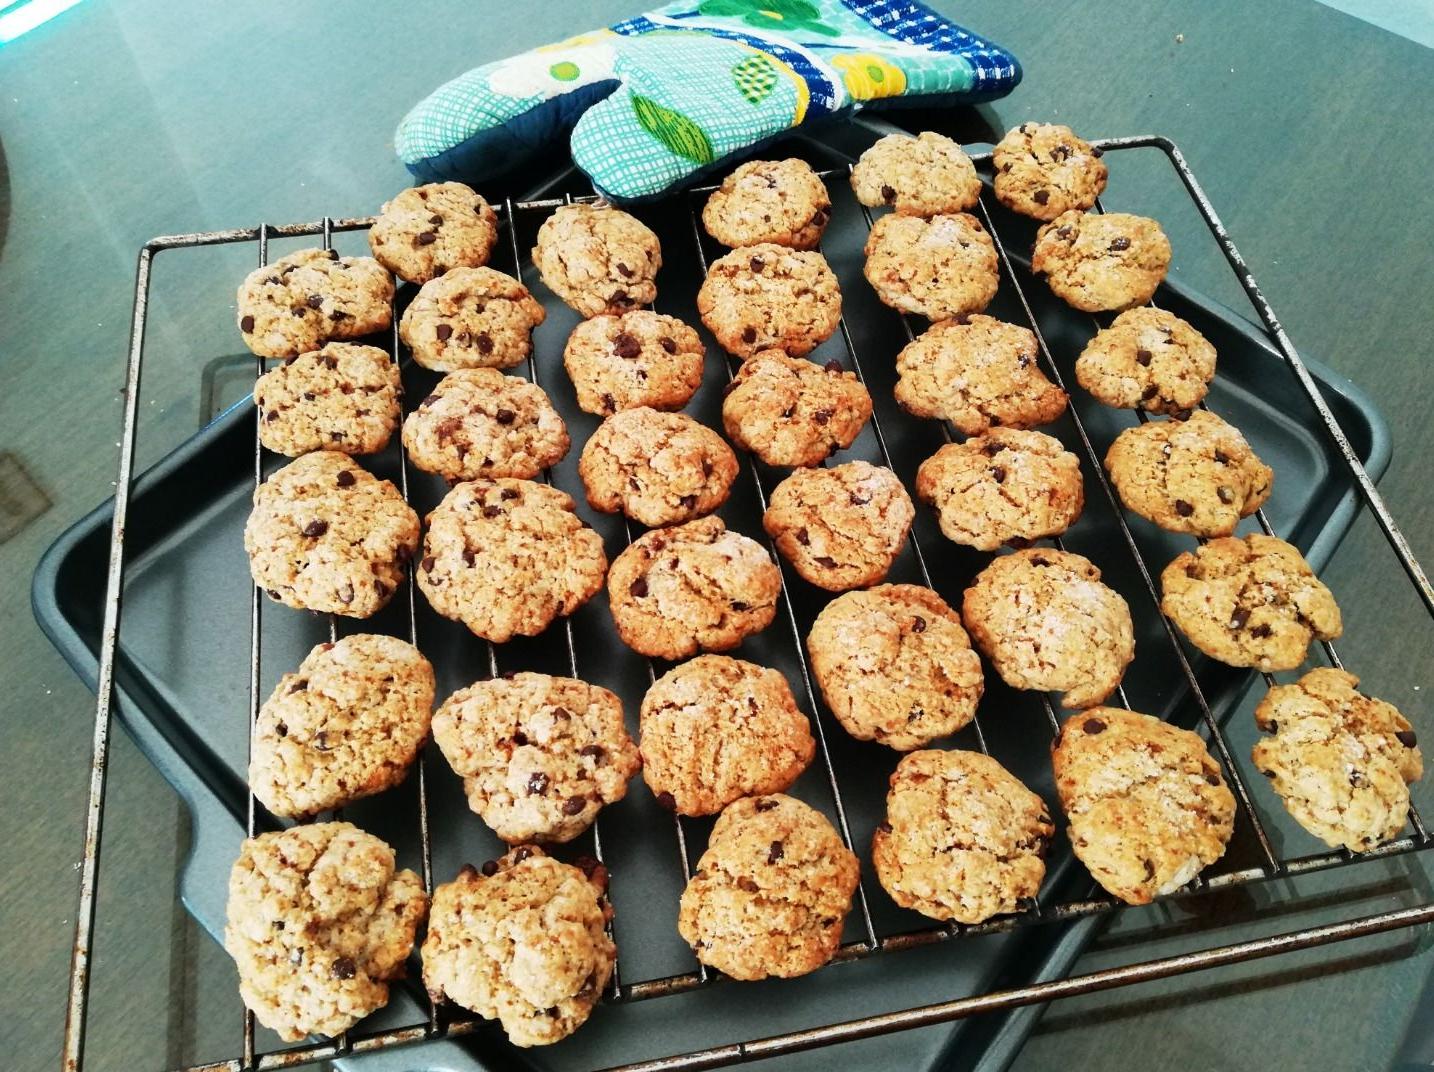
[121,120]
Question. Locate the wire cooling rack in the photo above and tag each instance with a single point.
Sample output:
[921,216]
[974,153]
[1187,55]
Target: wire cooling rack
[869,941]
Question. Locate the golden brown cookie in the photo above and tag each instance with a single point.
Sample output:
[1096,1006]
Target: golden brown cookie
[1147,359]
[779,201]
[942,268]
[343,397]
[481,423]
[791,411]
[1102,261]
[471,318]
[638,358]
[1043,170]
[299,302]
[768,296]
[426,230]
[927,175]
[598,259]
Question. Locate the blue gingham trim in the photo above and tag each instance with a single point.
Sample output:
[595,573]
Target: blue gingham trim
[994,69]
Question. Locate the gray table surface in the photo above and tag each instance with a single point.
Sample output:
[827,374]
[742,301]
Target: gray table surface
[130,118]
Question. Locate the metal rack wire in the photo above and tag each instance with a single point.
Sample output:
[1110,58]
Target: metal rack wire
[444,1023]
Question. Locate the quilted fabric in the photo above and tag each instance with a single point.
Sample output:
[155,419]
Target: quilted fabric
[656,100]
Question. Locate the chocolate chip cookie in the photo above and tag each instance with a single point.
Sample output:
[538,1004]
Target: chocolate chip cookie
[343,397]
[791,411]
[768,296]
[1043,170]
[1147,359]
[471,318]
[779,201]
[297,303]
[1249,602]
[895,666]
[426,230]
[942,268]
[637,358]
[598,259]
[1096,261]
[657,468]
[928,175]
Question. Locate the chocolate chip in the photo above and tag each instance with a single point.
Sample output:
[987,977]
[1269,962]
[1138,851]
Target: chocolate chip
[1040,197]
[609,404]
[521,853]
[436,220]
[821,416]
[429,401]
[573,805]
[766,804]
[739,606]
[490,867]
[623,270]
[427,563]
[749,334]
[316,528]
[858,500]
[1406,738]
[272,415]
[519,738]
[505,416]
[1238,617]
[638,588]
[1149,869]
[444,332]
[1093,725]
[344,968]
[1065,232]
[1120,245]
[484,342]
[888,194]
[1143,356]
[688,502]
[1261,631]
[321,741]
[246,325]
[884,827]
[820,217]
[998,473]
[1212,779]
[562,714]
[746,884]
[1268,773]
[915,714]
[595,751]
[667,344]
[804,537]
[826,562]
[468,557]
[757,264]
[427,238]
[775,853]
[1225,495]
[666,800]
[508,494]
[919,625]
[281,729]
[315,301]
[1222,457]
[1183,508]
[833,365]
[626,346]
[537,784]
[492,511]
[298,686]
[620,298]
[1149,393]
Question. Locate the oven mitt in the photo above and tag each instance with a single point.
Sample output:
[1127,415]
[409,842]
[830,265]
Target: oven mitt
[656,100]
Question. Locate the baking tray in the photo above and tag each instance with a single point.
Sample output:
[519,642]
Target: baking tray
[182,682]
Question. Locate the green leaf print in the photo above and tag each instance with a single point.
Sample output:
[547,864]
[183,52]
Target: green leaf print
[673,129]
[755,78]
[771,14]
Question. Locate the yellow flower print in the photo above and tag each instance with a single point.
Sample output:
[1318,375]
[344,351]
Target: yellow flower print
[868,76]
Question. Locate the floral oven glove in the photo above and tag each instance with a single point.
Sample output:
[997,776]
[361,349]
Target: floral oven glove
[655,100]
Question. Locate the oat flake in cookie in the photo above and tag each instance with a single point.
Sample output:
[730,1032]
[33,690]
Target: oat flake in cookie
[693,587]
[1249,602]
[343,397]
[326,535]
[1148,359]
[781,201]
[715,729]
[1102,261]
[637,358]
[770,894]
[299,302]
[481,423]
[963,839]
[1043,170]
[1147,804]
[345,725]
[941,268]
[505,557]
[471,318]
[791,411]
[522,941]
[539,756]
[598,259]
[426,230]
[319,921]
[767,297]
[1340,761]
[841,527]
[895,666]
[927,175]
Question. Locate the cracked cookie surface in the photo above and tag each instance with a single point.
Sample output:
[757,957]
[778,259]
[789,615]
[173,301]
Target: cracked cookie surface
[978,375]
[715,729]
[1102,261]
[693,587]
[1147,804]
[481,423]
[345,725]
[1341,761]
[790,411]
[943,268]
[1006,485]
[297,303]
[539,756]
[770,893]
[637,358]
[319,921]
[778,201]
[505,557]
[598,259]
[523,942]
[767,297]
[1197,476]
[1046,622]
[327,535]
[925,175]
[471,318]
[1044,170]
[1251,601]
[426,230]
[841,527]
[963,839]
[657,468]
[1147,359]
[342,397]
[895,666]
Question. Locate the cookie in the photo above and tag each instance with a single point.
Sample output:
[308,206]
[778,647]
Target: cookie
[1147,805]
[297,303]
[505,557]
[471,318]
[979,375]
[637,358]
[1007,486]
[1249,602]
[657,468]
[1043,170]
[1147,359]
[928,175]
[770,893]
[779,201]
[841,527]
[539,756]
[598,259]
[327,535]
[426,230]
[790,411]
[767,297]
[715,729]
[1197,476]
[523,942]
[346,725]
[481,423]
[1047,623]
[1340,761]
[693,587]
[319,921]
[343,397]
[963,839]
[943,268]
[1097,262]
[895,666]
